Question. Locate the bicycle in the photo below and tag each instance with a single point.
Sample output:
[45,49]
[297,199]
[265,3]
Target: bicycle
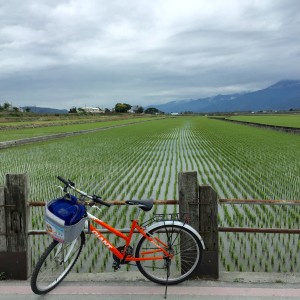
[167,252]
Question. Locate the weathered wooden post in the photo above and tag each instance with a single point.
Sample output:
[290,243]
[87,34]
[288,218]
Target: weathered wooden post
[208,229]
[2,223]
[202,205]
[188,203]
[188,196]
[15,252]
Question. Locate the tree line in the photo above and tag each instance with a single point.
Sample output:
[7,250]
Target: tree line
[119,108]
[122,108]
[8,107]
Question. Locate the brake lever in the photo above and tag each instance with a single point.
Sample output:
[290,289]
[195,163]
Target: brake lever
[60,187]
[97,207]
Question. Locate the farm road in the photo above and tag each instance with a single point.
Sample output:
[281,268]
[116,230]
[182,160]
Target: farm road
[127,286]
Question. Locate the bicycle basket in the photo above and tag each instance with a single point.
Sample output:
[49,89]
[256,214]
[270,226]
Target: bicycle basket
[64,219]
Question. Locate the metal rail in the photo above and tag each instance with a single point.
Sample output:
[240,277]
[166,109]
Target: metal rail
[113,202]
[259,202]
[259,230]
[220,229]
[221,201]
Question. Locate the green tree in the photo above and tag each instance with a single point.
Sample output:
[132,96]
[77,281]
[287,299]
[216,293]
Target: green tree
[140,110]
[122,107]
[6,106]
[73,110]
[119,107]
[152,111]
[127,106]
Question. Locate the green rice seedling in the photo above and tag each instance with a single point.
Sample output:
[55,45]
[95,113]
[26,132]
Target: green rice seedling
[144,160]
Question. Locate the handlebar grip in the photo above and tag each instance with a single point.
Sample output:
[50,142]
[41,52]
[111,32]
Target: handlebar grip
[63,180]
[100,201]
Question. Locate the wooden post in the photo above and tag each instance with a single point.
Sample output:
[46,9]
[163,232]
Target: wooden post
[188,197]
[201,203]
[15,255]
[208,229]
[2,221]
[188,203]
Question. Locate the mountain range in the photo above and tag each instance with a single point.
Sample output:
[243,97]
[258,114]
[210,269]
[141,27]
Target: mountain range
[45,110]
[283,95]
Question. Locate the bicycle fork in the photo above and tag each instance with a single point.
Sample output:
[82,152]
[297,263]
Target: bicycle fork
[59,250]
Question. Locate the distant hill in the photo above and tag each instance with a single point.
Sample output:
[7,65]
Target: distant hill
[198,105]
[45,110]
[283,95]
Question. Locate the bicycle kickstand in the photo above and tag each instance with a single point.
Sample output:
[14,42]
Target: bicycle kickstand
[168,275]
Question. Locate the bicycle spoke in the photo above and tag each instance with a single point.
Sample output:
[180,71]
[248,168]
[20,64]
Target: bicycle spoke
[184,254]
[55,264]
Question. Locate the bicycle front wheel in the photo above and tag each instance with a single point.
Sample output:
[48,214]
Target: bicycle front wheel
[185,250]
[54,265]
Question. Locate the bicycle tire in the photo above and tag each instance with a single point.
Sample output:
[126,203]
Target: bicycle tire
[51,268]
[185,247]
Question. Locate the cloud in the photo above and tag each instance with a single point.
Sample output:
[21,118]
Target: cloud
[74,53]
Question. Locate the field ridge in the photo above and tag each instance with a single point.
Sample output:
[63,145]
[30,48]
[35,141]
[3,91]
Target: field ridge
[287,129]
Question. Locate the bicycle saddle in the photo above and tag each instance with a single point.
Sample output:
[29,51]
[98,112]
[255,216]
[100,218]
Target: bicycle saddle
[145,205]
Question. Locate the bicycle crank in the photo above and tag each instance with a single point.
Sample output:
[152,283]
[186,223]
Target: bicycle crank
[117,261]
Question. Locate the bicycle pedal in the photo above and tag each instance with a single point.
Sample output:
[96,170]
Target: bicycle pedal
[116,266]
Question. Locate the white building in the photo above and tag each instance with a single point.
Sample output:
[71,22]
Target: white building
[93,110]
[133,109]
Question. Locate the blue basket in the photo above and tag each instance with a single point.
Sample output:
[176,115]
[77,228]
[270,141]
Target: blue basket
[64,219]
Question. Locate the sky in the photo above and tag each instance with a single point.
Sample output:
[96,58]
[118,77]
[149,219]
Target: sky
[64,54]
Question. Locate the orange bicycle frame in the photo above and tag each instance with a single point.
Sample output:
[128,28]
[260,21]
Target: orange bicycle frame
[161,246]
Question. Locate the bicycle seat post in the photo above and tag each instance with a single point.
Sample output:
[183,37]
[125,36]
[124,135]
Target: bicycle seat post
[137,213]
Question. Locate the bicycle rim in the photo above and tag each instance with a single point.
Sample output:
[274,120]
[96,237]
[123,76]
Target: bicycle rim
[55,264]
[185,248]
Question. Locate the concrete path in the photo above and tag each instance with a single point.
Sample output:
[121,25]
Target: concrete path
[127,286]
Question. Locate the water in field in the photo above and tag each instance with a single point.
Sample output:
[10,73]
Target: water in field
[142,161]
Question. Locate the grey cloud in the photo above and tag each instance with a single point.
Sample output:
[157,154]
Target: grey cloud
[67,53]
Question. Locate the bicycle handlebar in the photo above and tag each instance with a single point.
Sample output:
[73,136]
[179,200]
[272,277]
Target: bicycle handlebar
[95,198]
[63,180]
[100,201]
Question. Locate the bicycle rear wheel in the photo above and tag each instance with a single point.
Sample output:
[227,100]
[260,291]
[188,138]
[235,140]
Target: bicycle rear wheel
[54,265]
[183,245]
